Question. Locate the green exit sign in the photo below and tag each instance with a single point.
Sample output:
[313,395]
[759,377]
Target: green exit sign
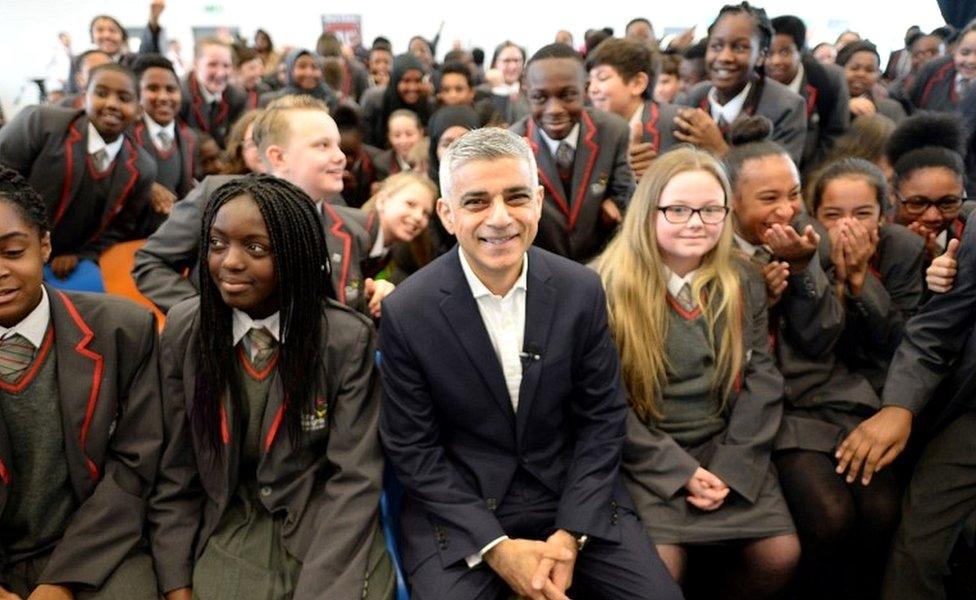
[213,8]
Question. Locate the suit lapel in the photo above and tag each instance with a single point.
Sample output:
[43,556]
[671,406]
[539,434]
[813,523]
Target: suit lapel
[587,151]
[540,303]
[339,243]
[81,369]
[125,175]
[461,310]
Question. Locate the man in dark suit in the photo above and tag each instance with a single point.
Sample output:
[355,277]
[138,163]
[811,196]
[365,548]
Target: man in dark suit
[935,364]
[581,155]
[503,412]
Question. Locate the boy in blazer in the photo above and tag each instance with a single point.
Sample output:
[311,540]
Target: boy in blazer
[503,413]
[284,135]
[80,423]
[210,102]
[581,155]
[94,180]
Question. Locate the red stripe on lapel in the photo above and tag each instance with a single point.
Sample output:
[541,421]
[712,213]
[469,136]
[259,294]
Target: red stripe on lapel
[69,171]
[82,349]
[554,192]
[224,426]
[346,249]
[4,475]
[936,78]
[252,99]
[275,426]
[588,173]
[130,166]
[811,99]
[957,227]
[651,128]
[197,101]
[28,376]
[223,109]
[371,220]
[188,150]
[705,105]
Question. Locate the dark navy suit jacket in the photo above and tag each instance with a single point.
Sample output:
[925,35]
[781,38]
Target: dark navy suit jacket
[447,420]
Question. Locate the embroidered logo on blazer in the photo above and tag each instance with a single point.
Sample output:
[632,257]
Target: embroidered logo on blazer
[317,418]
[600,186]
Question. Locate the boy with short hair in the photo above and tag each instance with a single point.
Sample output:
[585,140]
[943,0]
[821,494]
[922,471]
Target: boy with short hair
[94,180]
[248,72]
[456,88]
[581,155]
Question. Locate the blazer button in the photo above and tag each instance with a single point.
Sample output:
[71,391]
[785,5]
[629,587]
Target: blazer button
[266,491]
[492,503]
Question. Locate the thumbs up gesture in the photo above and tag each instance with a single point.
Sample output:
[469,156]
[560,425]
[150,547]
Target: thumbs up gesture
[941,274]
[640,154]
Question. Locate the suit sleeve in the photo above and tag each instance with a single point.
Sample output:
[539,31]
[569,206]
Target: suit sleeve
[834,121]
[176,506]
[742,454]
[814,315]
[348,517]
[934,337]
[159,264]
[411,435]
[109,524]
[790,126]
[21,141]
[599,412]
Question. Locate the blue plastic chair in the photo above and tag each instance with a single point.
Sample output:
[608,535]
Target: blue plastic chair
[86,277]
[391,502]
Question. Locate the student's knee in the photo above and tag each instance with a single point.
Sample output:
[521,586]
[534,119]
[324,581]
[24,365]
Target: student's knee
[835,518]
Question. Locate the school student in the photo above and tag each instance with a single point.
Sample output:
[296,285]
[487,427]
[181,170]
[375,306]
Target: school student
[738,43]
[353,77]
[94,180]
[403,131]
[171,143]
[509,95]
[456,88]
[406,89]
[82,66]
[929,179]
[691,70]
[270,480]
[844,527]
[248,71]
[621,78]
[860,62]
[943,82]
[822,87]
[80,424]
[304,76]
[380,64]
[877,266]
[359,177]
[398,217]
[298,141]
[241,155]
[446,126]
[581,155]
[668,82]
[706,399]
[211,103]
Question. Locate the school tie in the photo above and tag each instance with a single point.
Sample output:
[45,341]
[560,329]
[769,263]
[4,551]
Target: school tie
[165,140]
[212,116]
[684,297]
[564,163]
[263,346]
[101,160]
[963,86]
[16,354]
[762,256]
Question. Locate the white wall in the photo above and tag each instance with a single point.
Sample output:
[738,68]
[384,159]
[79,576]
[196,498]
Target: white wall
[29,28]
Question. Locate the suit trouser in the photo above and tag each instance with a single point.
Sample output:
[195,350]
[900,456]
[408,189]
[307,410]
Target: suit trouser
[939,499]
[134,579]
[630,570]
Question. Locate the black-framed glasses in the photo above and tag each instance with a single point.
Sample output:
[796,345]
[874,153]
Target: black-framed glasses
[678,214]
[916,205]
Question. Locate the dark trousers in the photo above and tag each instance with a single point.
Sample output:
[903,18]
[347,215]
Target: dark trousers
[940,497]
[630,570]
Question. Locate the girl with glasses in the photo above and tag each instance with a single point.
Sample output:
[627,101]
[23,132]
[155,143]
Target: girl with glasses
[690,321]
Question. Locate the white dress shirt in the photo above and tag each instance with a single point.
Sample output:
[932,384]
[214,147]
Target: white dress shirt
[571,139]
[676,287]
[504,318]
[155,129]
[731,109]
[34,326]
[208,96]
[795,84]
[379,248]
[242,322]
[96,143]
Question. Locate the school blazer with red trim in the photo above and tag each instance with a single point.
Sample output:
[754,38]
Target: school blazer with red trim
[47,145]
[174,247]
[186,144]
[328,489]
[195,113]
[572,226]
[106,350]
[935,86]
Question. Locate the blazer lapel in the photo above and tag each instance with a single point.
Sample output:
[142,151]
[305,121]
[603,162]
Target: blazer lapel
[650,116]
[548,173]
[587,151]
[124,178]
[540,304]
[461,310]
[80,373]
[339,243]
[75,155]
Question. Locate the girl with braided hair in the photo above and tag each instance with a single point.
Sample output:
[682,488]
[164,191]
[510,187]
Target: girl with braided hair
[269,485]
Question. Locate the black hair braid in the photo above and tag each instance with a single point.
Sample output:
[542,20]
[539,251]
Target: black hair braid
[761,23]
[301,266]
[17,191]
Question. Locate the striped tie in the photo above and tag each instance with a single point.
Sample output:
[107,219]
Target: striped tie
[165,140]
[262,346]
[16,354]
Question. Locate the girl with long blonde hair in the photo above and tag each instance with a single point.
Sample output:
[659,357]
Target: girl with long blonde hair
[689,317]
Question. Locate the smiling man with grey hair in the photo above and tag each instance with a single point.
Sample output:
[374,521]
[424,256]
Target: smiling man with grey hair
[503,412]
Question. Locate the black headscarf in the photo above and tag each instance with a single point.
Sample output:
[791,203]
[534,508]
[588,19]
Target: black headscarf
[392,100]
[442,120]
[323,92]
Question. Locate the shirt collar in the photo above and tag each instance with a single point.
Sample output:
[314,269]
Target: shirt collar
[155,128]
[571,138]
[480,290]
[96,143]
[208,96]
[379,247]
[731,109]
[637,119]
[507,89]
[34,325]
[242,323]
[797,81]
[747,247]
[676,282]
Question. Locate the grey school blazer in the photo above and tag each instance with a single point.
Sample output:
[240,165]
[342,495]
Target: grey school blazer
[328,488]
